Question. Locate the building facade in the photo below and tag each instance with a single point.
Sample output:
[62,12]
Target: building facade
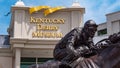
[112,25]
[33,36]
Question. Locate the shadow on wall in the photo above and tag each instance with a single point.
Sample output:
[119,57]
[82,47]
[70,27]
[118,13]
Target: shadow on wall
[4,41]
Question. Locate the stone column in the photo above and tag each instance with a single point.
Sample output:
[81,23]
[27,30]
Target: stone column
[77,18]
[19,24]
[17,57]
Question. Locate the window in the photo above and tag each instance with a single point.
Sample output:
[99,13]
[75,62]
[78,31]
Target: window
[26,62]
[42,60]
[102,32]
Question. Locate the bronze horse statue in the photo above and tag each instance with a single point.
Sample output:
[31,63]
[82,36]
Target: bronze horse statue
[107,58]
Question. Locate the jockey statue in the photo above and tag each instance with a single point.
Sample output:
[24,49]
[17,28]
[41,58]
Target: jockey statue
[77,43]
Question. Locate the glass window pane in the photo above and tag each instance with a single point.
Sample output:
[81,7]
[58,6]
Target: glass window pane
[26,62]
[28,59]
[102,32]
[44,59]
[25,65]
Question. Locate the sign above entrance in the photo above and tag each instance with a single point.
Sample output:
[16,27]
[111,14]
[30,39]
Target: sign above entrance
[47,27]
[48,9]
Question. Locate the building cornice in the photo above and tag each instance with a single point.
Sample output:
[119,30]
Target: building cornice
[113,13]
[103,23]
[33,41]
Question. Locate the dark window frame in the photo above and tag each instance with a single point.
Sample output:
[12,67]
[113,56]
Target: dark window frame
[102,32]
[27,61]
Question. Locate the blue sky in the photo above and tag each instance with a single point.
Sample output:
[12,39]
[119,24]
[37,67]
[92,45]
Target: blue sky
[95,9]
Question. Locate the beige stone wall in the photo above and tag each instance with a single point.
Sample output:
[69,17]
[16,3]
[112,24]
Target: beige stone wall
[24,26]
[113,21]
[5,62]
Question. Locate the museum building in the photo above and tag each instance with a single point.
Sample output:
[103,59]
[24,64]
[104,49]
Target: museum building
[112,25]
[33,36]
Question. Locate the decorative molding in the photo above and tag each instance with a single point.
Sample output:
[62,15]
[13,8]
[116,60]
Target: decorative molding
[6,52]
[33,43]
